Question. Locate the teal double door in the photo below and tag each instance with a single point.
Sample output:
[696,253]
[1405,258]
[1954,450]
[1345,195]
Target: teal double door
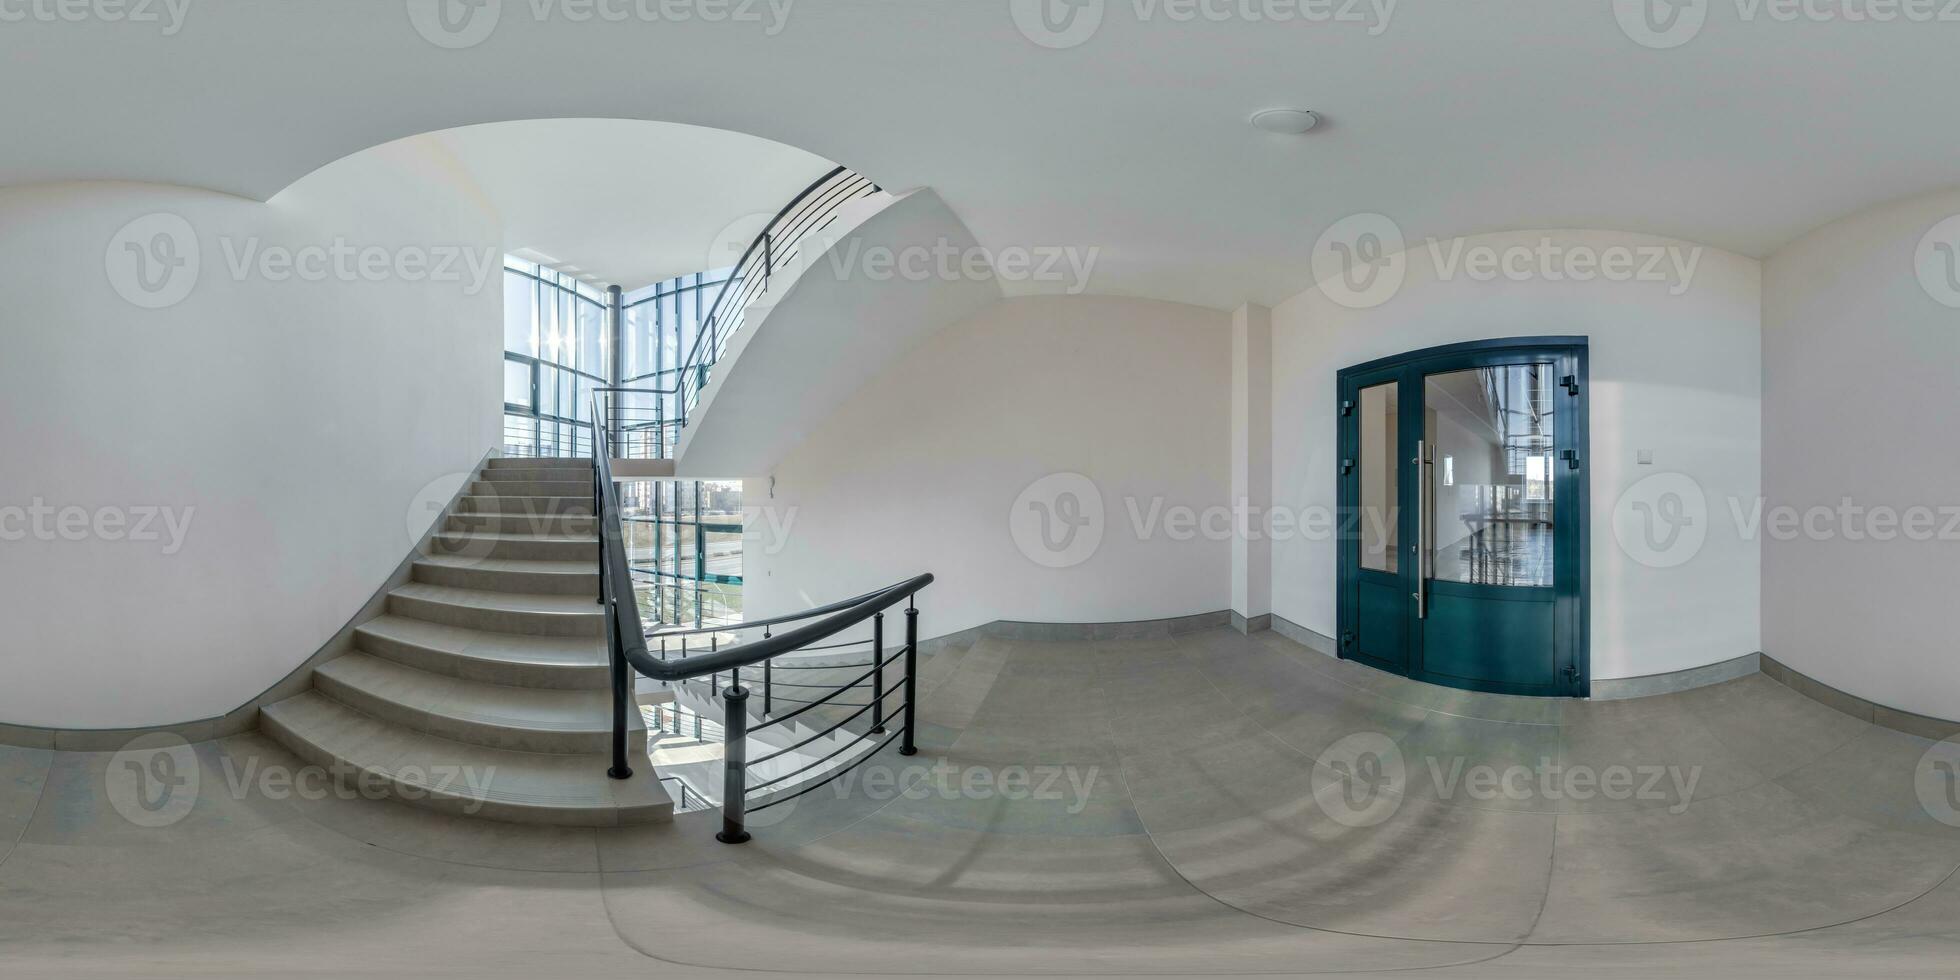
[1463,513]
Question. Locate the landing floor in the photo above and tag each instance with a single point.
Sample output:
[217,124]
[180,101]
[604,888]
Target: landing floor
[1204,804]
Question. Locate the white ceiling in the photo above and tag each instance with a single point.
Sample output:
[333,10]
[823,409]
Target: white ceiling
[1459,117]
[628,202]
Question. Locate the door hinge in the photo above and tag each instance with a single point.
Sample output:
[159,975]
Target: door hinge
[1347,409]
[1347,466]
[1347,638]
[1571,457]
[1571,383]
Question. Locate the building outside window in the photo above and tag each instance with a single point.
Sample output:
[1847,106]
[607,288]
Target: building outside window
[557,348]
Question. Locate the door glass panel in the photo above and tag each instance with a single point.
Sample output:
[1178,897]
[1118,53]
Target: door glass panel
[1490,430]
[1379,469]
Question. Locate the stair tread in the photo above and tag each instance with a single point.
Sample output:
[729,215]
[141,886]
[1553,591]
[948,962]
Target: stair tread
[533,709]
[520,602]
[537,781]
[556,538]
[529,565]
[461,641]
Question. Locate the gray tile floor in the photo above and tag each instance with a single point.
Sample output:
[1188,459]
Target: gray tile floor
[1203,804]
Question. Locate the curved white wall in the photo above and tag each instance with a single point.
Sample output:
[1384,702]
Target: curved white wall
[919,469]
[295,422]
[1678,374]
[1861,393]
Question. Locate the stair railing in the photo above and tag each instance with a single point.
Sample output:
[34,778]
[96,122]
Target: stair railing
[628,655]
[638,420]
[773,249]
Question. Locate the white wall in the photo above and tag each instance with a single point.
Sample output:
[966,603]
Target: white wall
[1677,374]
[295,422]
[1861,394]
[920,469]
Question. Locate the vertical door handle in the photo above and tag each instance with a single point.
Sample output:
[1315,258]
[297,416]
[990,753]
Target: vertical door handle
[1422,529]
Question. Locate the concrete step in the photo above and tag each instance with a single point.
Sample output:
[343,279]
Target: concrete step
[553,663]
[517,504]
[460,778]
[510,575]
[532,488]
[558,474]
[521,522]
[499,612]
[520,719]
[542,462]
[529,547]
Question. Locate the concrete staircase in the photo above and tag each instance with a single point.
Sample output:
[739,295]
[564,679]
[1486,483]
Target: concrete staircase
[483,690]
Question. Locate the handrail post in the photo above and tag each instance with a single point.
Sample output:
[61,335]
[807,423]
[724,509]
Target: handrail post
[910,745]
[622,696]
[768,682]
[734,773]
[878,674]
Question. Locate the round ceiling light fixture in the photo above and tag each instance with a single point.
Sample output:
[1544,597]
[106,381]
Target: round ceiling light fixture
[1291,122]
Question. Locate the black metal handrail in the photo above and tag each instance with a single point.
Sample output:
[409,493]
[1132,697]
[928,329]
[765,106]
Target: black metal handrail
[764,623]
[807,212]
[626,642]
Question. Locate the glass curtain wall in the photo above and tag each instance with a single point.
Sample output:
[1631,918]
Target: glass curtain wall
[684,543]
[662,324]
[557,348]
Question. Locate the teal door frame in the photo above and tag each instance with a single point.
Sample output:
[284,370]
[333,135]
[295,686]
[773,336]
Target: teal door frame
[1377,614]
